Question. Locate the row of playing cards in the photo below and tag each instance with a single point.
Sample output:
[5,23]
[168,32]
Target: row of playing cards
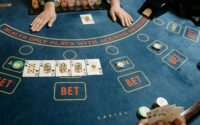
[62,68]
[166,113]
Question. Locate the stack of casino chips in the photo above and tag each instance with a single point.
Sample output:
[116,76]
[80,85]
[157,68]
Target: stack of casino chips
[156,46]
[75,2]
[143,110]
[17,65]
[159,102]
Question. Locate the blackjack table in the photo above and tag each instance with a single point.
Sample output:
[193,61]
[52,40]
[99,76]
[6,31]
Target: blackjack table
[113,98]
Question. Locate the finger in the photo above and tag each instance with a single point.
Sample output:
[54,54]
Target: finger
[122,20]
[52,20]
[114,18]
[33,28]
[143,122]
[37,25]
[179,121]
[41,25]
[126,21]
[160,123]
[130,21]
[35,21]
[131,18]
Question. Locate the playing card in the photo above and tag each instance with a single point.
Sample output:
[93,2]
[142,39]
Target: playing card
[63,68]
[173,114]
[93,67]
[158,113]
[87,19]
[166,113]
[78,68]
[31,68]
[154,116]
[47,68]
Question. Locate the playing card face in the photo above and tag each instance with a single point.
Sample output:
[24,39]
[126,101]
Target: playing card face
[93,67]
[166,113]
[31,68]
[78,68]
[87,19]
[47,68]
[63,68]
[154,116]
[175,112]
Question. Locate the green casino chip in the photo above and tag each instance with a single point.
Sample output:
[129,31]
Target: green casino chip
[17,65]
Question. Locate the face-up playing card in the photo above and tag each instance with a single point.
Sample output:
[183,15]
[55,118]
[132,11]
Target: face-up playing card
[154,116]
[63,68]
[78,68]
[166,113]
[47,68]
[87,19]
[31,68]
[93,67]
[171,116]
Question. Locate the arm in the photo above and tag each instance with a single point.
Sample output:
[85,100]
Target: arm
[117,12]
[48,16]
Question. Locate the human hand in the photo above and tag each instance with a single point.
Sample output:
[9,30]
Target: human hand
[178,121]
[47,16]
[117,12]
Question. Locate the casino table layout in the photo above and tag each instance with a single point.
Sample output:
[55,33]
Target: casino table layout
[109,99]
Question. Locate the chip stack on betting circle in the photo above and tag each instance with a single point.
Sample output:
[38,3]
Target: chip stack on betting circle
[160,101]
[120,65]
[17,65]
[142,112]
[156,46]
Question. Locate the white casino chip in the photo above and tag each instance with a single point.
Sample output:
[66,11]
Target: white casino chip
[157,46]
[143,111]
[161,101]
[120,65]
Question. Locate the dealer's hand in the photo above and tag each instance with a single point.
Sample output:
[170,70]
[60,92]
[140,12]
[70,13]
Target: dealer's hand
[48,16]
[117,12]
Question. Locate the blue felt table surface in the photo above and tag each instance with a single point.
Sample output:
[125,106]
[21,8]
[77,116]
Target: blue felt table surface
[107,102]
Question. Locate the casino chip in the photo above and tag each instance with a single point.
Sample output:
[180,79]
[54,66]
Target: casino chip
[17,65]
[57,3]
[156,46]
[98,2]
[91,2]
[120,65]
[160,101]
[142,112]
[147,12]
[198,65]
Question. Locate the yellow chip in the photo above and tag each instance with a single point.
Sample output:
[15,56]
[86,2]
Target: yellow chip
[147,12]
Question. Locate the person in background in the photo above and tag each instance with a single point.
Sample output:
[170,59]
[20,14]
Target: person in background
[48,15]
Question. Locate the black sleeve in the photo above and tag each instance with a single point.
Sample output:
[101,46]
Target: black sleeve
[49,1]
